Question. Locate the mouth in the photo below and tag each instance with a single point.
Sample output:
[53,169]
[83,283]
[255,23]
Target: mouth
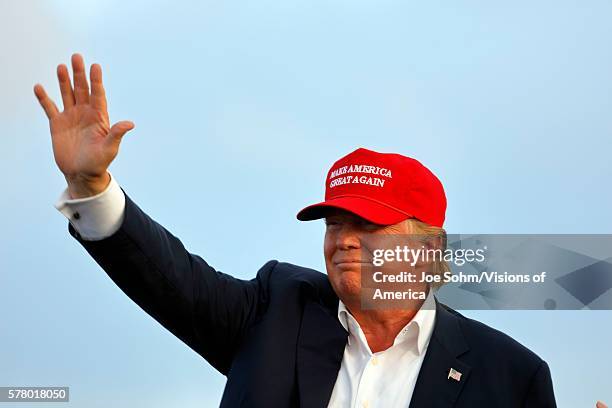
[349,263]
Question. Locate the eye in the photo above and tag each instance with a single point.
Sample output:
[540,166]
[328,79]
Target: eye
[330,223]
[369,226]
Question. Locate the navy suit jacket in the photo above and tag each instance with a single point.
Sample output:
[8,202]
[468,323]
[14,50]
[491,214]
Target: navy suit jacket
[277,337]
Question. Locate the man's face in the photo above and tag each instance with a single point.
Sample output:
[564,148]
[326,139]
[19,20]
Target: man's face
[345,250]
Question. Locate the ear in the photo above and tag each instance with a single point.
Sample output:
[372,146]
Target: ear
[434,242]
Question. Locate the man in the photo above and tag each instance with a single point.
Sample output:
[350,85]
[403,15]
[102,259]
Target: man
[292,336]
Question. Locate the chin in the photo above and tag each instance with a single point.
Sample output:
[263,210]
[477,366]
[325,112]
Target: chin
[347,284]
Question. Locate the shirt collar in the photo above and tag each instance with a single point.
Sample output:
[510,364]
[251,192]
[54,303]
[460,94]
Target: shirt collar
[420,328]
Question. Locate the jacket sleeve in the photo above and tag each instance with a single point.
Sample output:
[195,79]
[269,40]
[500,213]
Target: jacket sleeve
[540,393]
[208,310]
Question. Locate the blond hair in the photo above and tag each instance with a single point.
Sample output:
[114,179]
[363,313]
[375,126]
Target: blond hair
[440,266]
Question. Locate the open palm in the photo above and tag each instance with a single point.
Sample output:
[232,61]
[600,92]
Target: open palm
[84,143]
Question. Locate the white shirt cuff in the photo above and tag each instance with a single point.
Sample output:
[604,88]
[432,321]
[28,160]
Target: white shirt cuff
[96,217]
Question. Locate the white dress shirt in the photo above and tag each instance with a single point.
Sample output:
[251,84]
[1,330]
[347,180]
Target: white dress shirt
[94,217]
[383,379]
[386,378]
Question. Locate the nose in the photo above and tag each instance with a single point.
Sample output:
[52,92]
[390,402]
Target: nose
[348,237]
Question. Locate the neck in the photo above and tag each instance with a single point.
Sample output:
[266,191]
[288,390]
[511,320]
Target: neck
[381,327]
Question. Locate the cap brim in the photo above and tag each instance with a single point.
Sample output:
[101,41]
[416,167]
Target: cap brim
[363,207]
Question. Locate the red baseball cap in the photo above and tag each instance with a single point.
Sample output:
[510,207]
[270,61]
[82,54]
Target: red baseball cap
[383,188]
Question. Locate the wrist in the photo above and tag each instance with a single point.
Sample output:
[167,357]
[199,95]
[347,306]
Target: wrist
[87,186]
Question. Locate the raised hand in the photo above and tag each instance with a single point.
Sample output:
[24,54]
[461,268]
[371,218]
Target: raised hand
[84,143]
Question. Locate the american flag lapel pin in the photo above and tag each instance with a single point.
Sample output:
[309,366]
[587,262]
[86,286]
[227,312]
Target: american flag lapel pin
[454,374]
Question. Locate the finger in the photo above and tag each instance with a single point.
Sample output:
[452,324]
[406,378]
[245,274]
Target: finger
[65,86]
[98,96]
[47,104]
[81,87]
[119,129]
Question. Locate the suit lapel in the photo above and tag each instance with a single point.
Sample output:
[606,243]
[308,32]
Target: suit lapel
[320,350]
[321,346]
[434,388]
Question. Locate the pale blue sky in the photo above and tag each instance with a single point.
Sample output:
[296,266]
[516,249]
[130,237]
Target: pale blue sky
[241,107]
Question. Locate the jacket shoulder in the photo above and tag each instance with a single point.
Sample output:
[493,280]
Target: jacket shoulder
[490,342]
[282,279]
[286,273]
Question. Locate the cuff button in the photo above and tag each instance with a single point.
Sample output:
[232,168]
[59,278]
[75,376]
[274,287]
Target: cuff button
[76,215]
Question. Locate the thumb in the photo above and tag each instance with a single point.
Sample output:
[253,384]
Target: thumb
[119,129]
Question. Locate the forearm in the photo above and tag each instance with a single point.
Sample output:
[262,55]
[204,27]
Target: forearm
[206,309]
